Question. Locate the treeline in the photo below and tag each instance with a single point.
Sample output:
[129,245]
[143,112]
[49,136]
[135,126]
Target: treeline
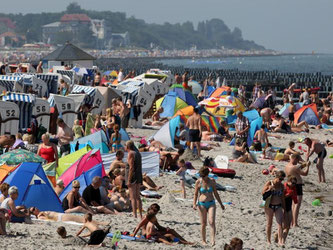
[207,35]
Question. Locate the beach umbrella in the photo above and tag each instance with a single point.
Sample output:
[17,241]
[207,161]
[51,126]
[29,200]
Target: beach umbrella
[214,102]
[114,73]
[220,105]
[18,156]
[196,87]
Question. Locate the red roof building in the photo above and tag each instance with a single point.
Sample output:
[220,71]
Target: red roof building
[75,18]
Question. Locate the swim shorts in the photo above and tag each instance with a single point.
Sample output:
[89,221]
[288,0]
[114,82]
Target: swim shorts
[97,237]
[194,135]
[288,203]
[299,189]
[291,117]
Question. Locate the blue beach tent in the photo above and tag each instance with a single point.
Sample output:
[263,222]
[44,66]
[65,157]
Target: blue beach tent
[85,180]
[34,188]
[167,132]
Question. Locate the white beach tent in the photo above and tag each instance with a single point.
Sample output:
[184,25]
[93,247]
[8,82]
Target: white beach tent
[78,100]
[21,83]
[138,92]
[25,102]
[108,94]
[51,80]
[38,86]
[93,97]
[10,116]
[65,107]
[159,87]
[41,110]
[69,74]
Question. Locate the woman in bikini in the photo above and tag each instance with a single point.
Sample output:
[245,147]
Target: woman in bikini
[116,139]
[277,202]
[205,190]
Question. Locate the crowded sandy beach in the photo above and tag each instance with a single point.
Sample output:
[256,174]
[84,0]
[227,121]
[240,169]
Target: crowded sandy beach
[159,160]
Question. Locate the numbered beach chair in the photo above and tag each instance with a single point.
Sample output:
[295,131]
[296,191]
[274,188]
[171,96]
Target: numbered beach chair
[64,107]
[25,102]
[41,111]
[9,118]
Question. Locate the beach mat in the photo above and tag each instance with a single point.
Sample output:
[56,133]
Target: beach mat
[130,238]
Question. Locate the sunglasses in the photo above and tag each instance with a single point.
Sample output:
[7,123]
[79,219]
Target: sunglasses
[33,209]
[77,187]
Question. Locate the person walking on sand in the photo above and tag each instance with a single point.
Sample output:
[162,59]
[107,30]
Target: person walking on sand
[205,190]
[194,125]
[314,146]
[133,177]
[275,190]
[297,171]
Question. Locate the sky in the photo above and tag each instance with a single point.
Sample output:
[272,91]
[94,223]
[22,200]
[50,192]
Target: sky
[300,26]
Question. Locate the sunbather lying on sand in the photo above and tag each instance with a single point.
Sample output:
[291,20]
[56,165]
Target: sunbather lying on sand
[59,217]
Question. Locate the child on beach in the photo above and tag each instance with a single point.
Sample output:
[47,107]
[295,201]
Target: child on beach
[290,150]
[77,130]
[96,234]
[261,136]
[181,173]
[4,217]
[69,239]
[116,139]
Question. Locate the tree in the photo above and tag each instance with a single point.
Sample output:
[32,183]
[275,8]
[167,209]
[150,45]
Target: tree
[74,8]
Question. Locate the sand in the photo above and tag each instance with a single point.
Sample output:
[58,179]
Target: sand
[243,219]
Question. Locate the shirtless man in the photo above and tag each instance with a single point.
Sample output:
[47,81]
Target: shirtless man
[54,216]
[194,125]
[7,141]
[262,137]
[297,171]
[266,113]
[133,177]
[314,146]
[96,234]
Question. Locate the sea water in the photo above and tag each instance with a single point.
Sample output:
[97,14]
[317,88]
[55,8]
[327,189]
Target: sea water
[284,63]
